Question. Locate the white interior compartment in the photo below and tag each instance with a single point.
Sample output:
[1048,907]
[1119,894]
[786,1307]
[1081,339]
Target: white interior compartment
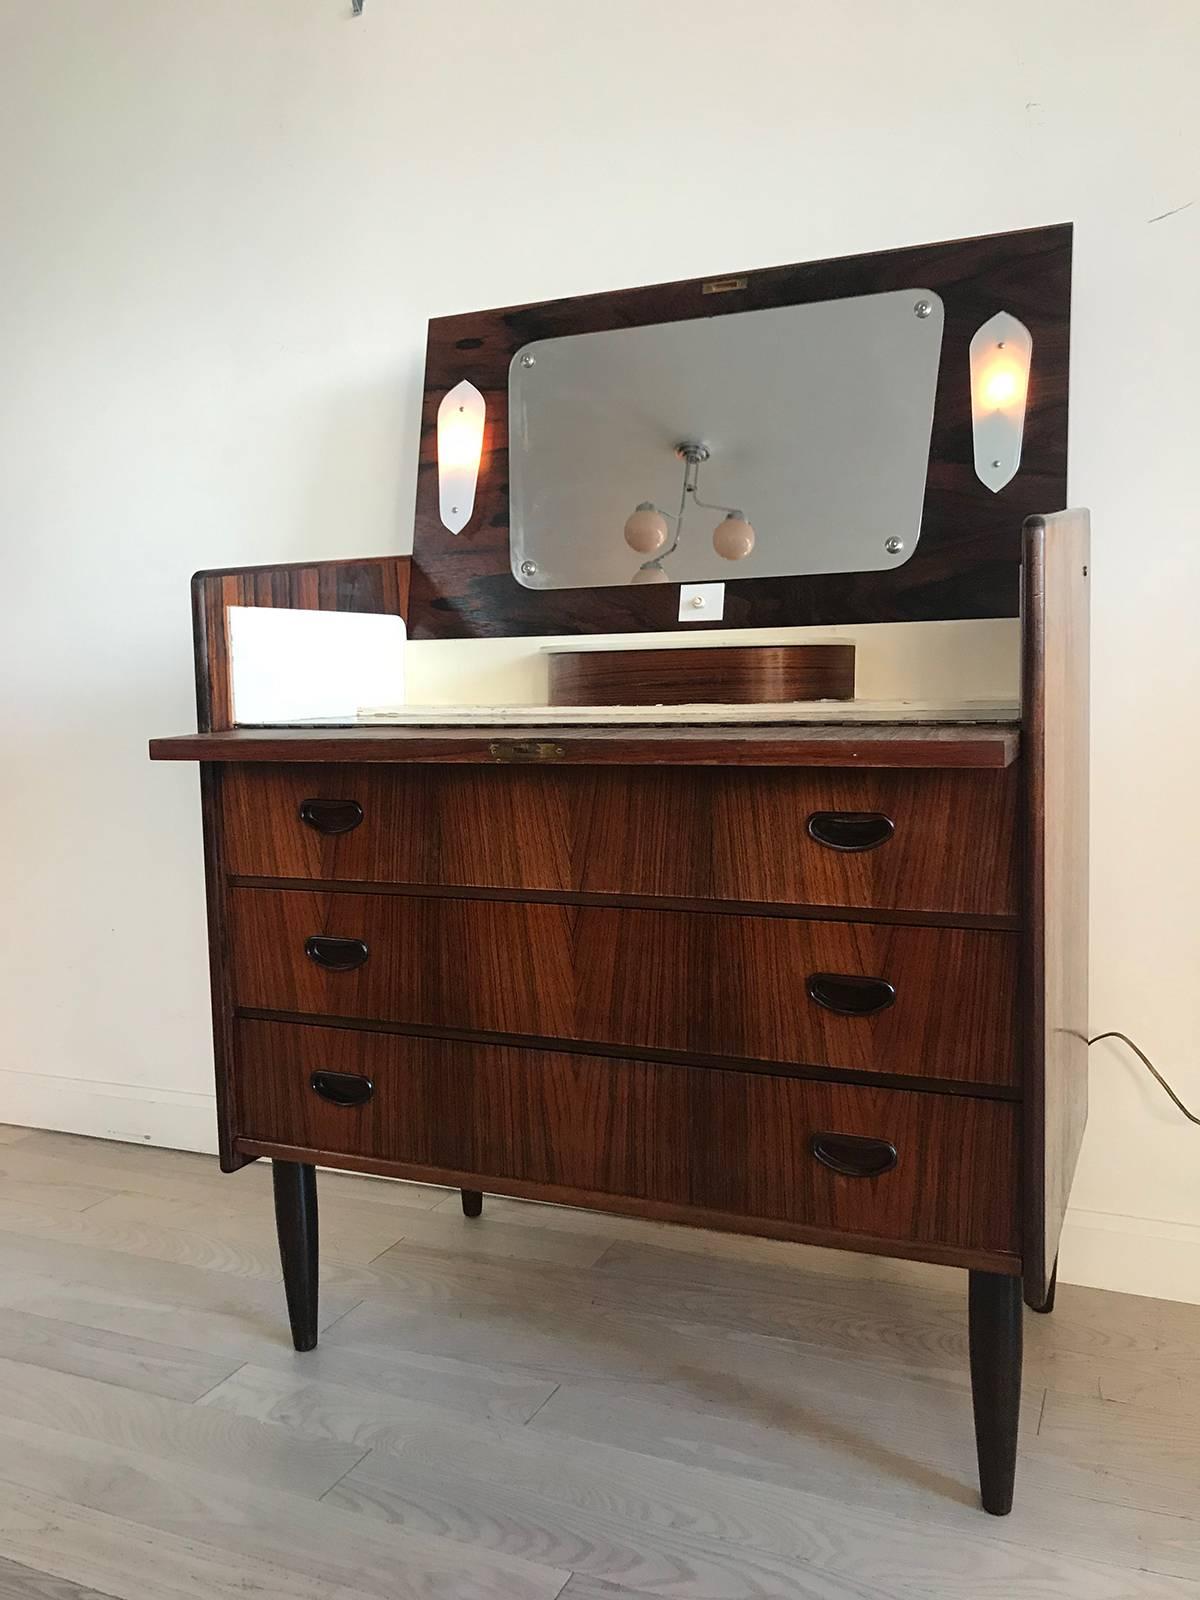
[295,666]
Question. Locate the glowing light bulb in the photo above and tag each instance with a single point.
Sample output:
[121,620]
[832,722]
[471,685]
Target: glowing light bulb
[1003,386]
[460,421]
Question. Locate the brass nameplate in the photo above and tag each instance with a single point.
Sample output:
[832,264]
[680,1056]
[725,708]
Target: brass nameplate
[526,750]
[723,285]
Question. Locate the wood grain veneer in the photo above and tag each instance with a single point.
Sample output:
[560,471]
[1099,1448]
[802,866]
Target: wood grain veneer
[219,972]
[1056,673]
[721,675]
[374,584]
[718,985]
[657,1049]
[370,585]
[728,1143]
[980,746]
[968,558]
[709,835]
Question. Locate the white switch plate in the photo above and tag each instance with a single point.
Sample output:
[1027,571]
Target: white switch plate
[701,602]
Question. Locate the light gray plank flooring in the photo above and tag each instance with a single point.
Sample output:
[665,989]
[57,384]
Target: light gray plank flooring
[543,1403]
[23,1583]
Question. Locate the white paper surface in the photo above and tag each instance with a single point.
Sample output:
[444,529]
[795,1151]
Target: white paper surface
[289,665]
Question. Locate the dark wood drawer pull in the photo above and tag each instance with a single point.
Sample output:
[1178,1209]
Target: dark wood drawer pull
[343,1088]
[852,1155]
[331,816]
[848,995]
[850,830]
[335,955]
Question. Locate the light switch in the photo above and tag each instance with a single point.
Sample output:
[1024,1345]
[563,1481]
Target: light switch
[701,602]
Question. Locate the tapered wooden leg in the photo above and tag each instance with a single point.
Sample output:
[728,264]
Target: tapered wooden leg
[296,1223]
[472,1203]
[1046,1304]
[995,1323]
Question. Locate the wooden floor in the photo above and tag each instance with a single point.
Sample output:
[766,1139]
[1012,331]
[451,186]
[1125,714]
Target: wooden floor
[542,1402]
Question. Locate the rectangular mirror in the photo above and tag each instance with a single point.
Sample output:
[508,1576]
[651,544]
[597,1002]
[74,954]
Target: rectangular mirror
[810,422]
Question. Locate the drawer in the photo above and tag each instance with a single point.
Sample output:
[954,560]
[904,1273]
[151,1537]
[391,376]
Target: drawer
[921,841]
[728,1143]
[924,1002]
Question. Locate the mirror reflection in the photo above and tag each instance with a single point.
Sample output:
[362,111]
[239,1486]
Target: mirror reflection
[755,444]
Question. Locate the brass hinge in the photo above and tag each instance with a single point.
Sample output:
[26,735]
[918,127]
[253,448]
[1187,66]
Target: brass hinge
[526,750]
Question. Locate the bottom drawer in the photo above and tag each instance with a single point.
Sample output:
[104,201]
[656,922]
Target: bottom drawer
[816,1155]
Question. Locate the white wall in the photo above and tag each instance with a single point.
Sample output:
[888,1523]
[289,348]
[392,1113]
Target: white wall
[223,224]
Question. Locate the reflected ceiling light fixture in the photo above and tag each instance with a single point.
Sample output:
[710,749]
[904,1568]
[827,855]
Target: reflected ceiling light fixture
[647,530]
[460,421]
[1000,358]
[650,572]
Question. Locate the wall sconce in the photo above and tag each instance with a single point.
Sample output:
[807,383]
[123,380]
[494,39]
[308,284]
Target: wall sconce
[646,530]
[1000,358]
[459,447]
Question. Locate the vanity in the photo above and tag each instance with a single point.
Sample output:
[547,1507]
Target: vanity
[816,971]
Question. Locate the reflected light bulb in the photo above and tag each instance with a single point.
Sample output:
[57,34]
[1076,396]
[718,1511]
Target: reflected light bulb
[651,574]
[733,539]
[646,529]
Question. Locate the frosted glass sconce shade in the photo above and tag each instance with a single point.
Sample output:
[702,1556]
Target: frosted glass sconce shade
[650,573]
[1000,356]
[460,445]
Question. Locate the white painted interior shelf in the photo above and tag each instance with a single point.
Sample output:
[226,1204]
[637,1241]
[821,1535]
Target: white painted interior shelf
[806,711]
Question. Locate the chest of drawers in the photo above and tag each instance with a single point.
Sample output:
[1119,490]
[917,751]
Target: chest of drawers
[824,984]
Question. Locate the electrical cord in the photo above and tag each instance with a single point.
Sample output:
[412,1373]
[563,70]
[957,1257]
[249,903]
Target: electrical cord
[1150,1068]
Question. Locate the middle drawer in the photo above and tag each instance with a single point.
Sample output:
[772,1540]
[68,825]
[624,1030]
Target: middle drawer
[923,1002]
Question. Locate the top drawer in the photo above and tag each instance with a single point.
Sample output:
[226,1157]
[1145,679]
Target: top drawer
[942,841]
